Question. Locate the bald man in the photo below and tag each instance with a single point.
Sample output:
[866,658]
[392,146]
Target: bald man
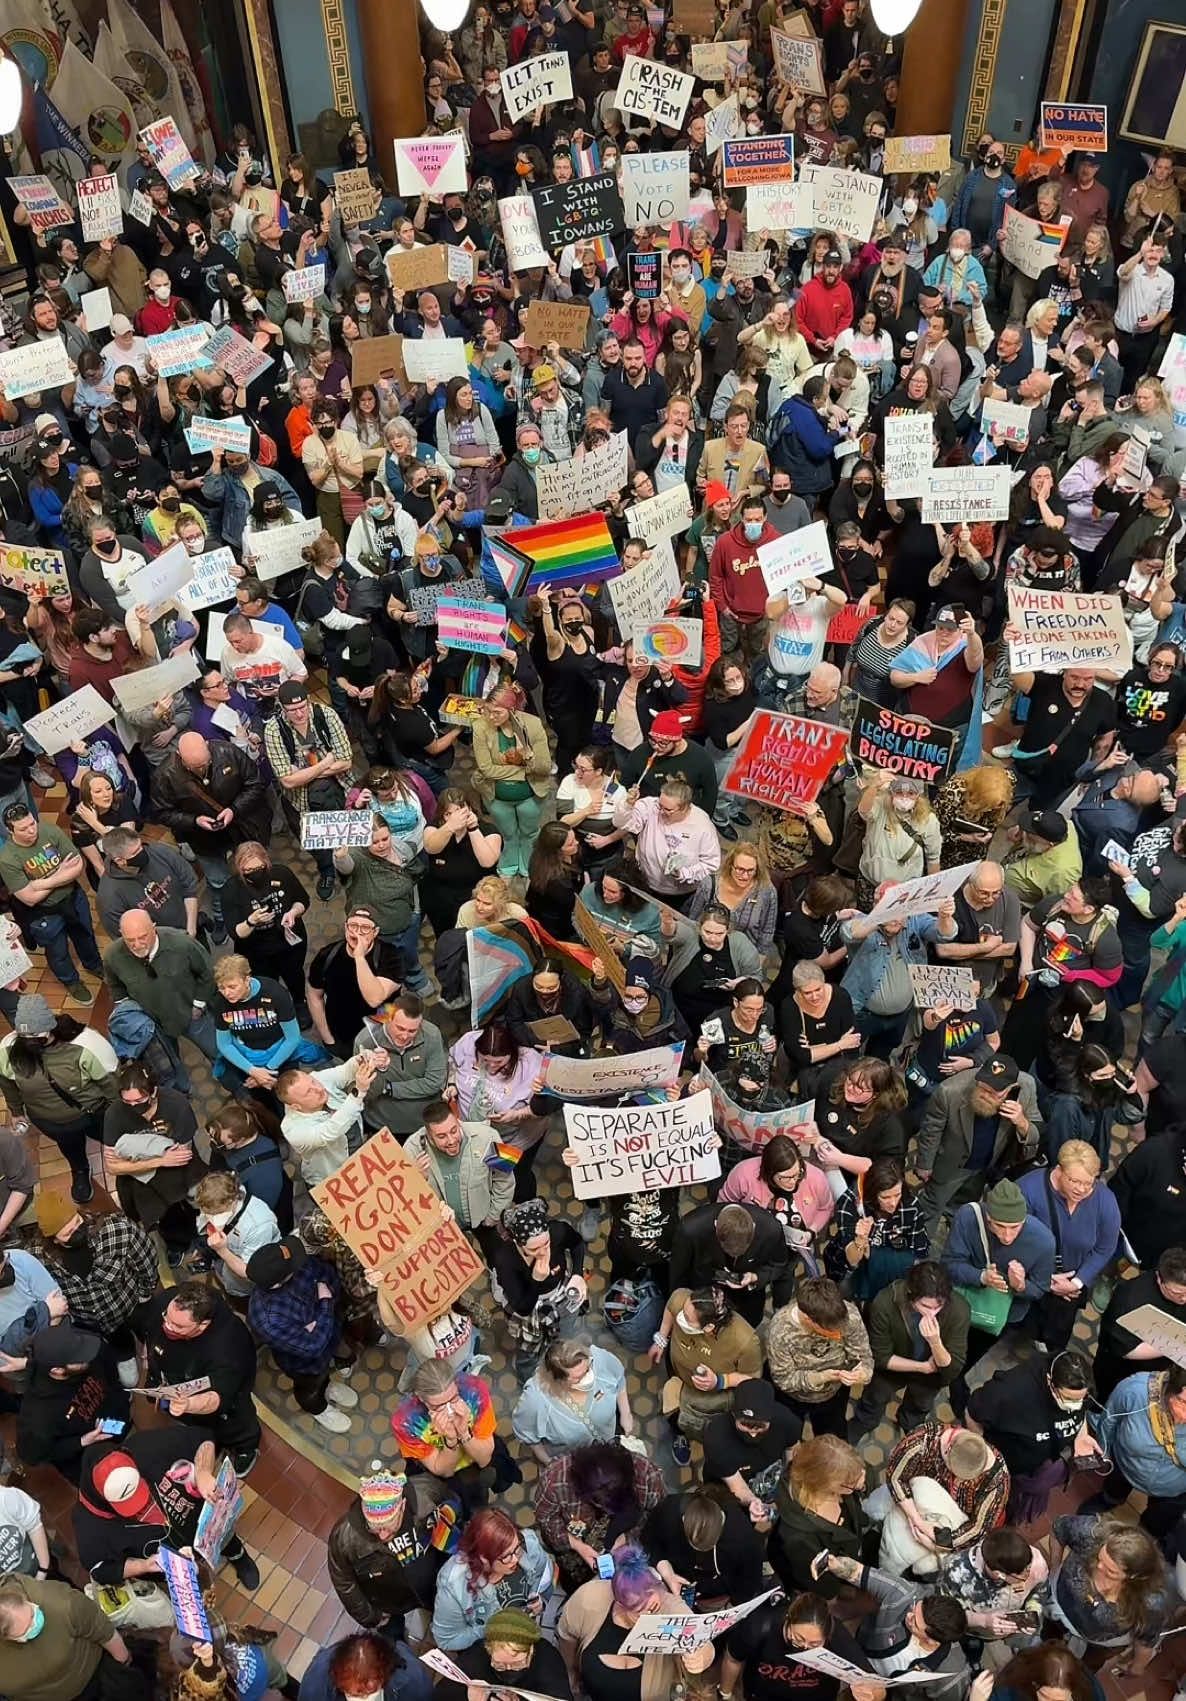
[821,697]
[1116,802]
[212,797]
[168,974]
[988,924]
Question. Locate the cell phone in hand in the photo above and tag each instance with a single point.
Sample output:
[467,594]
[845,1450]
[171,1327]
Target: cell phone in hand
[111,1426]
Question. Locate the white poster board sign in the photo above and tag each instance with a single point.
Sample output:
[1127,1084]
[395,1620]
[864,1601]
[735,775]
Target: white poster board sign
[967,496]
[304,283]
[160,580]
[644,592]
[1029,244]
[431,165]
[655,188]
[683,1633]
[99,208]
[278,550]
[1157,1329]
[1006,422]
[665,515]
[935,984]
[799,555]
[520,232]
[71,720]
[439,358]
[35,367]
[1056,630]
[642,1148]
[607,1076]
[921,896]
[212,582]
[578,485]
[909,453]
[96,309]
[776,206]
[843,201]
[335,829]
[149,685]
[722,124]
[532,83]
[647,89]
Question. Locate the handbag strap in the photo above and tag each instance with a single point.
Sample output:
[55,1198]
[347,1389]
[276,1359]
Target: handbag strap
[983,1235]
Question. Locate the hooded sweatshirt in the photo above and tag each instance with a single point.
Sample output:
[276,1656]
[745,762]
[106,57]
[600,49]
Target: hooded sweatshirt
[160,886]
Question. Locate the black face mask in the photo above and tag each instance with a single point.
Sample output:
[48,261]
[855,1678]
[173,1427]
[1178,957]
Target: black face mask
[572,631]
[780,496]
[326,431]
[171,504]
[862,489]
[139,861]
[257,877]
[456,215]
[123,391]
[107,547]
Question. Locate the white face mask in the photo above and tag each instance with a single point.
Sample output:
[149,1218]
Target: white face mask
[958,254]
[587,1380]
[904,805]
[688,1328]
[162,292]
[371,1695]
[910,207]
[219,1219]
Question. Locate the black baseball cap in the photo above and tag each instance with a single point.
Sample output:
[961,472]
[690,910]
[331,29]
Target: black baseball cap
[754,1401]
[63,1344]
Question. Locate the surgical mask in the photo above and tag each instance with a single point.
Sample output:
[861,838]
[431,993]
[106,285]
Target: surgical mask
[219,1219]
[193,545]
[162,292]
[634,1006]
[588,1379]
[904,805]
[362,308]
[371,1695]
[688,1328]
[958,254]
[531,456]
[36,1626]
[754,127]
[680,274]
[753,530]
[376,510]
[909,206]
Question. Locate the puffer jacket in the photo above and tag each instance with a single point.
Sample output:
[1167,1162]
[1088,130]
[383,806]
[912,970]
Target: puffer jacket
[71,1083]
[371,1583]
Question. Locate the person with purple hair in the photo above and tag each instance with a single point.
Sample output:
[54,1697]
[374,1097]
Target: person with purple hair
[597,1619]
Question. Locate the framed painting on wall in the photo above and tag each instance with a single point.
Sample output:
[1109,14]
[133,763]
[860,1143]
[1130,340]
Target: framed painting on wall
[1155,108]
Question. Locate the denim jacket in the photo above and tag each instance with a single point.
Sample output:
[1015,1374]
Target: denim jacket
[870,958]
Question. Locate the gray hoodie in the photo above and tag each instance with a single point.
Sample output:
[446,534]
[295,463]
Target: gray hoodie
[159,886]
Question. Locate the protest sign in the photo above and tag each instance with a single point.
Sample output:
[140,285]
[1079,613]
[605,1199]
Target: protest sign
[140,207]
[583,483]
[1084,127]
[33,569]
[1056,630]
[460,262]
[683,1633]
[742,263]
[665,515]
[774,206]
[710,61]
[70,721]
[823,1659]
[783,761]
[642,1148]
[355,196]
[233,434]
[432,165]
[439,358]
[645,591]
[160,579]
[803,554]
[847,623]
[916,154]
[650,90]
[901,744]
[721,124]
[386,1212]
[335,829]
[100,210]
[563,322]
[14,959]
[182,349]
[45,207]
[676,643]
[935,984]
[600,943]
[35,367]
[149,684]
[372,358]
[577,211]
[170,155]
[212,582]
[654,187]
[480,627]
[185,1594]
[909,453]
[516,214]
[644,273]
[921,896]
[218,1517]
[424,598]
[799,62]
[1157,1329]
[96,310]
[955,496]
[238,358]
[535,82]
[1005,422]
[843,201]
[759,159]
[695,17]
[750,1130]
[421,267]
[304,283]
[278,550]
[456,710]
[609,1076]
[1029,244]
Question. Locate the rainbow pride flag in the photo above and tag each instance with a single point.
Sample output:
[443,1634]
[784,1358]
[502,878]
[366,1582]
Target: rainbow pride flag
[502,1158]
[577,551]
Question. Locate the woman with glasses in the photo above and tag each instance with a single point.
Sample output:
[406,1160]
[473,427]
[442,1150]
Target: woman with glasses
[1151,703]
[497,1565]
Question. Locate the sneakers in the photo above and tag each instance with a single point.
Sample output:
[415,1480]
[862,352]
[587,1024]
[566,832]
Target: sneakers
[589,1226]
[42,776]
[78,993]
[246,1570]
[681,1451]
[335,1421]
[340,1395]
[325,886]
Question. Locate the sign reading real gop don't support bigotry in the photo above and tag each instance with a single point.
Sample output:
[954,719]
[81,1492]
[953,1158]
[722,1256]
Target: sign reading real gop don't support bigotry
[783,760]
[388,1215]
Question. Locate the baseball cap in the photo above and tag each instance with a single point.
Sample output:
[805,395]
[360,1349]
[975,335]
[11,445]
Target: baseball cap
[833,257]
[754,1401]
[63,1344]
[999,1073]
[271,1265]
[947,616]
[667,724]
[293,691]
[120,324]
[118,1480]
[364,910]
[1048,824]
[499,508]
[543,374]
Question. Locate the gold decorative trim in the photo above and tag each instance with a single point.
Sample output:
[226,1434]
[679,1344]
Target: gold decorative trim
[266,64]
[337,47]
[1067,35]
[984,68]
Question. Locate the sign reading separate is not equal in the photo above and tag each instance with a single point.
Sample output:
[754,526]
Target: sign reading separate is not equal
[642,1148]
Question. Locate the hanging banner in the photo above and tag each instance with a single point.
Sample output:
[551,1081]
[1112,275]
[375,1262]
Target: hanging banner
[783,760]
[536,82]
[649,90]
[1050,631]
[655,188]
[642,1148]
[901,744]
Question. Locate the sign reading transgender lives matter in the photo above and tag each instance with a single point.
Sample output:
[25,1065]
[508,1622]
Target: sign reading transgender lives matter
[901,744]
[1054,630]
[783,760]
[385,1211]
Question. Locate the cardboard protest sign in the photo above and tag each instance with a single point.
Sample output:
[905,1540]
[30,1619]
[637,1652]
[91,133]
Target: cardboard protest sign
[609,1076]
[783,760]
[799,62]
[182,349]
[424,598]
[1029,244]
[278,550]
[431,165]
[70,720]
[750,1130]
[96,310]
[917,154]
[563,322]
[799,555]
[516,214]
[100,210]
[304,283]
[434,358]
[642,1148]
[578,211]
[1061,629]
[388,1215]
[1157,1329]
[1084,127]
[185,1594]
[645,275]
[373,358]
[35,367]
[742,263]
[28,569]
[479,627]
[847,623]
[655,188]
[695,17]
[160,579]
[683,1633]
[600,943]
[901,744]
[149,684]
[909,453]
[710,61]
[722,124]
[238,358]
[1005,422]
[218,1517]
[536,82]
[665,515]
[935,984]
[759,159]
[955,496]
[650,90]
[212,582]
[585,482]
[645,592]
[421,267]
[921,896]
[233,434]
[774,206]
[335,829]
[356,197]
[843,201]
[677,643]
[169,153]
[45,207]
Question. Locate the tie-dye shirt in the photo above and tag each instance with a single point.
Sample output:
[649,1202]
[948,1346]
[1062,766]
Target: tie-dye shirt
[418,1436]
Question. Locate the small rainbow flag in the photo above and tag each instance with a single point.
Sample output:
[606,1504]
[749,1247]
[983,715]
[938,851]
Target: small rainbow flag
[577,551]
[502,1157]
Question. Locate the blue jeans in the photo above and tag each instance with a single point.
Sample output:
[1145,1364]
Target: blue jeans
[56,930]
[216,874]
[201,1032]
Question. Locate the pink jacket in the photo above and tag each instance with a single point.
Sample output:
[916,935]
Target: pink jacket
[813,1197]
[649,335]
[672,858]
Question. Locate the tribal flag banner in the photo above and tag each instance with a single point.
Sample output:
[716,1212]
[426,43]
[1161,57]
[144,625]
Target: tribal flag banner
[96,108]
[111,62]
[152,65]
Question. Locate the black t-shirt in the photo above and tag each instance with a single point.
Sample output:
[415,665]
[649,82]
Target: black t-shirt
[224,1351]
[1049,716]
[165,1460]
[1148,711]
[771,1671]
[453,872]
[700,985]
[173,1116]
[1166,1061]
[642,1228]
[414,730]
[332,972]
[732,1567]
[55,1415]
[1020,1416]
[758,1460]
[276,892]
[883,1136]
[257,1024]
[800,1031]
[1116,1341]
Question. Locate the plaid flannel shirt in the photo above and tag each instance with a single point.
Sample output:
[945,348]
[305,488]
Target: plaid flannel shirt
[123,1273]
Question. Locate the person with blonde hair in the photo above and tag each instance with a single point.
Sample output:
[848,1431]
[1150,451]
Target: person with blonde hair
[940,1476]
[256,1030]
[742,885]
[234,1225]
[971,806]
[1153,413]
[1041,324]
[577,1394]
[779,337]
[492,902]
[902,835]
[820,1507]
[1081,1212]
[1110,1586]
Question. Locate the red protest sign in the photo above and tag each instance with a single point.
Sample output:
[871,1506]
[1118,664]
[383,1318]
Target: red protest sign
[783,761]
[847,623]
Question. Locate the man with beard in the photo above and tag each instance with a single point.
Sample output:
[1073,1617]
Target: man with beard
[105,1266]
[191,1334]
[145,1492]
[383,1561]
[899,283]
[971,1120]
[213,797]
[73,1386]
[1068,713]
